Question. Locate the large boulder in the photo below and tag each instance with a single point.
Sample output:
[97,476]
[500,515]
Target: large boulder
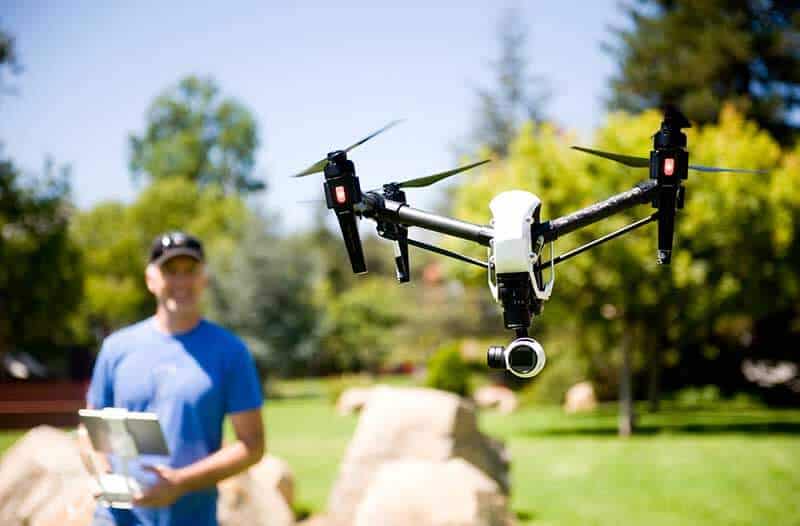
[411,424]
[425,493]
[261,495]
[580,398]
[353,400]
[44,483]
[496,396]
[73,507]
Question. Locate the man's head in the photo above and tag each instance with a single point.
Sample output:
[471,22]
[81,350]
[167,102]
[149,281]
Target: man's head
[176,273]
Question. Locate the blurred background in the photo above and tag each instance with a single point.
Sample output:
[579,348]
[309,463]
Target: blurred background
[120,121]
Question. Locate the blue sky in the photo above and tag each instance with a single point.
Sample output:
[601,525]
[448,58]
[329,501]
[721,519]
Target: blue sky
[316,77]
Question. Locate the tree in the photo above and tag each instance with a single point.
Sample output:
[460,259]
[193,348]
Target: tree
[356,324]
[734,268]
[41,275]
[517,97]
[193,133]
[8,58]
[265,296]
[115,239]
[704,54]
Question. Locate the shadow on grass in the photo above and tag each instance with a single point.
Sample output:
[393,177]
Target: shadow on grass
[524,515]
[754,428]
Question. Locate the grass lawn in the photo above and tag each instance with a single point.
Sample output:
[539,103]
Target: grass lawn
[719,465]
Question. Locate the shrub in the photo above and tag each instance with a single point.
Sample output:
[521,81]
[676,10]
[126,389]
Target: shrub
[698,396]
[337,385]
[448,371]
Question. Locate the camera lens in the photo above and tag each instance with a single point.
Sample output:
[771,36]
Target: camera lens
[495,358]
[522,359]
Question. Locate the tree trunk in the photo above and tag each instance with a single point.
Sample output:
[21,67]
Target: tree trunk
[654,378]
[627,418]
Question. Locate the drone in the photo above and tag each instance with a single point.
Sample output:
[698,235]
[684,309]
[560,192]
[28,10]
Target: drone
[516,235]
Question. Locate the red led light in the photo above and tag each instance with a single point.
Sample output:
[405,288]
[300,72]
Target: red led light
[341,196]
[669,166]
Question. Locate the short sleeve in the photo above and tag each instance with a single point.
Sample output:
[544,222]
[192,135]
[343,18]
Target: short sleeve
[101,388]
[242,386]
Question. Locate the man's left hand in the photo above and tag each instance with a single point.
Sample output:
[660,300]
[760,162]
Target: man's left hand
[164,492]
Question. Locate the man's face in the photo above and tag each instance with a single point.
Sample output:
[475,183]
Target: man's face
[178,284]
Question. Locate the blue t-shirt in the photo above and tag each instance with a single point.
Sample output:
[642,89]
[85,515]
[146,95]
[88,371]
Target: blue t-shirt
[191,380]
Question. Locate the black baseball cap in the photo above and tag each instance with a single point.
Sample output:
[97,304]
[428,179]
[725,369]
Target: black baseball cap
[171,244]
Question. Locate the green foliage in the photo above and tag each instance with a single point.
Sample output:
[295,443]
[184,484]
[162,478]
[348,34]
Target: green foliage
[41,275]
[264,294]
[193,133]
[517,96]
[698,396]
[448,371]
[735,261]
[704,54]
[114,239]
[355,329]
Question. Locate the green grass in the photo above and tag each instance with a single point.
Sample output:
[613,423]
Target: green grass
[8,437]
[727,466]
[716,465]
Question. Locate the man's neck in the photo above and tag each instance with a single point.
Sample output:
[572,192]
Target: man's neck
[170,323]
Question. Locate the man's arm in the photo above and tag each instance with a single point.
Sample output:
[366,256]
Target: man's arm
[229,460]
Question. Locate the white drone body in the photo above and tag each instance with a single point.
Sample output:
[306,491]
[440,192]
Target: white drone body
[510,250]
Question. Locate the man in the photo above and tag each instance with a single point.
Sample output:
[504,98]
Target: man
[190,372]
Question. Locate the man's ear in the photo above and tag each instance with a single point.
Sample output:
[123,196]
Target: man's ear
[150,277]
[205,274]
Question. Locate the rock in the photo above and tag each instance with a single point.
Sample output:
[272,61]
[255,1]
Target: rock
[352,400]
[273,472]
[261,495]
[497,396]
[580,398]
[73,507]
[433,493]
[43,482]
[314,520]
[411,424]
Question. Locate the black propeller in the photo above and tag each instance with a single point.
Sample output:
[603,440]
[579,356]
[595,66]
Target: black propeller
[669,166]
[421,182]
[320,165]
[642,162]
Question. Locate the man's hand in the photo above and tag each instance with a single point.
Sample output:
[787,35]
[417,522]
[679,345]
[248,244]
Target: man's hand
[164,492]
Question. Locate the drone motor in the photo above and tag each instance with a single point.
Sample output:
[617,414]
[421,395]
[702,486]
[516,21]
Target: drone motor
[342,191]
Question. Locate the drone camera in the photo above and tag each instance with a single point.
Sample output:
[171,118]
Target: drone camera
[524,357]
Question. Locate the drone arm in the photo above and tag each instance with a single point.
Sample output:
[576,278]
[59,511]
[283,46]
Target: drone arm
[608,237]
[375,206]
[448,253]
[551,230]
